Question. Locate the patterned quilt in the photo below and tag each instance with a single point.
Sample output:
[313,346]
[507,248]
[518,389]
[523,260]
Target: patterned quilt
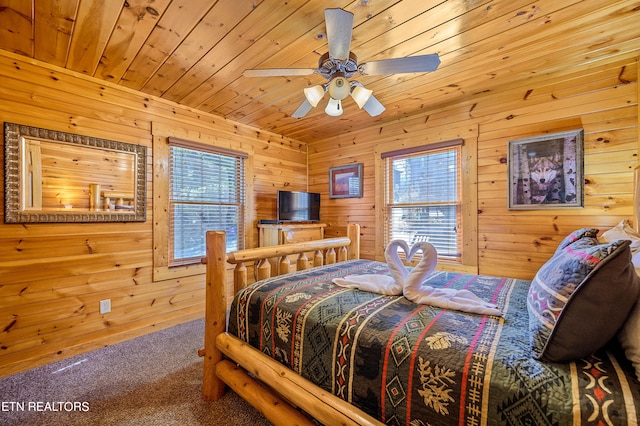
[410,364]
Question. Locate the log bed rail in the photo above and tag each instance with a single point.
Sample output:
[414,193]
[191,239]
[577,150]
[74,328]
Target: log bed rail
[249,372]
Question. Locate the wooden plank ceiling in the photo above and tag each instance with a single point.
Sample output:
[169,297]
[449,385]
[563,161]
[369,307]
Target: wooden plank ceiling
[193,52]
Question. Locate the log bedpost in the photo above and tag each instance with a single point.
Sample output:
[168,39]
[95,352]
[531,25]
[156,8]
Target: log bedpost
[353,232]
[215,312]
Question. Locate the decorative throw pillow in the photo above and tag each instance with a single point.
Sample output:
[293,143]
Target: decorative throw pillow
[629,334]
[575,236]
[581,297]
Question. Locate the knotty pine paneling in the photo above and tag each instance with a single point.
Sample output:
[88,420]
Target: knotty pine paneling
[54,275]
[601,97]
[58,272]
[195,51]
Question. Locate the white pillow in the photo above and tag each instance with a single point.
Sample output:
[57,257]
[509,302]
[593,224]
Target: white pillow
[624,231]
[629,334]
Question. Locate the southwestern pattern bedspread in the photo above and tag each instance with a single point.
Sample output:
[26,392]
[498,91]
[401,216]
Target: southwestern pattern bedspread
[416,365]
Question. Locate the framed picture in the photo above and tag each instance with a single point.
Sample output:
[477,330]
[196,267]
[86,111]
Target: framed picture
[545,172]
[345,181]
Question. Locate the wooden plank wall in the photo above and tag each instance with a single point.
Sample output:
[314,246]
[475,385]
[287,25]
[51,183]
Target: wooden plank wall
[52,276]
[600,97]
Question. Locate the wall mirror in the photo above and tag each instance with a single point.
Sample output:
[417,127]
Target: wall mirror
[53,176]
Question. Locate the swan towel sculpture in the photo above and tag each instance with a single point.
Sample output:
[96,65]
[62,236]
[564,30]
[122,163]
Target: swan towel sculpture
[410,284]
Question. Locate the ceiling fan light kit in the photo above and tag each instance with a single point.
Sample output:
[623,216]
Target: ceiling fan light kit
[339,64]
[334,107]
[360,94]
[314,94]
[339,88]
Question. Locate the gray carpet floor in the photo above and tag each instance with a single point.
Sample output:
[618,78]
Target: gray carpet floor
[151,380]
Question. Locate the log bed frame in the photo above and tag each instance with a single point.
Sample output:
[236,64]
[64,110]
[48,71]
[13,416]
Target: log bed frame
[248,371]
[281,395]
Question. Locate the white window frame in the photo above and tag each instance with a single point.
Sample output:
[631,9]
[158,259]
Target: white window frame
[468,262]
[422,231]
[161,228]
[175,201]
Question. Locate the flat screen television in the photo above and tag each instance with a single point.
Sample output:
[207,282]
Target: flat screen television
[298,206]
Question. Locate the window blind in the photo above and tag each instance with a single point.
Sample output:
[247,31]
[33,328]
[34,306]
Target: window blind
[423,198]
[206,192]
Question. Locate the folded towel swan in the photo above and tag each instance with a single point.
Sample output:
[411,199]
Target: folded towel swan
[374,283]
[410,283]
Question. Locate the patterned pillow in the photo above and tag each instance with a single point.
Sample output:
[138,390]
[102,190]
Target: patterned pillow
[580,298]
[575,236]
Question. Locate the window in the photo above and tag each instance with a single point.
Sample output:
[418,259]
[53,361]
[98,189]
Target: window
[206,191]
[423,197]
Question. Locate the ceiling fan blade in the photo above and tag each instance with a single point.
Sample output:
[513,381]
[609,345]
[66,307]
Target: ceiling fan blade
[278,72]
[302,110]
[373,106]
[339,26]
[422,63]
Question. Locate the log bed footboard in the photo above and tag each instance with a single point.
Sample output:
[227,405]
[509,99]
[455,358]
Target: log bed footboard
[269,386]
[320,404]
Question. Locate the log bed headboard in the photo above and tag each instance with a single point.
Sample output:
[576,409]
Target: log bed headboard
[218,343]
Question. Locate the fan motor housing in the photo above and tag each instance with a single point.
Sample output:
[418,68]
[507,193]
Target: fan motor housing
[328,66]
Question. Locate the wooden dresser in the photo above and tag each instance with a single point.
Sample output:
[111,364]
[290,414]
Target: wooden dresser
[290,232]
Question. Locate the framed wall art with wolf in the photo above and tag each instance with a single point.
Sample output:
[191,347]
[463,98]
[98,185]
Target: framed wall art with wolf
[546,172]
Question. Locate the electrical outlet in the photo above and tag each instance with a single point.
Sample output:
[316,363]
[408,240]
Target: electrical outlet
[105,306]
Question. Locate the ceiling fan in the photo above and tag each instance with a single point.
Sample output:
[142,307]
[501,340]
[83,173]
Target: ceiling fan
[339,64]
